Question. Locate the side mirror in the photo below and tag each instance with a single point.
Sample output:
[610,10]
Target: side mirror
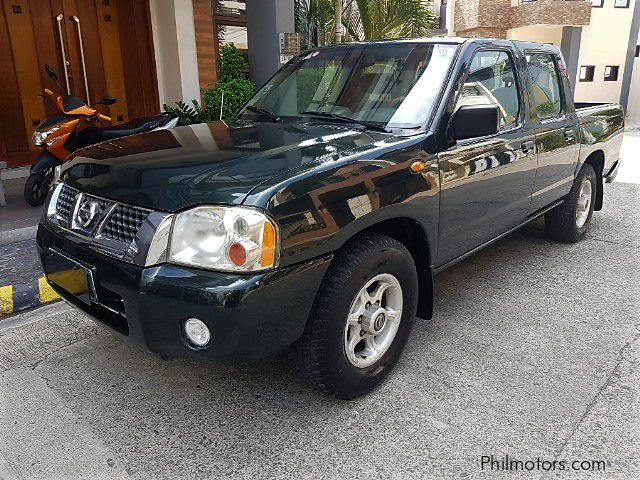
[53,75]
[471,121]
[108,100]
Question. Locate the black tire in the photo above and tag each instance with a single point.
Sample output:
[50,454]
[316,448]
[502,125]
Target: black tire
[560,222]
[36,188]
[321,351]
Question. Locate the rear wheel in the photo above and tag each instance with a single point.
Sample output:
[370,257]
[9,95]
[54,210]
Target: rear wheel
[37,187]
[570,221]
[362,317]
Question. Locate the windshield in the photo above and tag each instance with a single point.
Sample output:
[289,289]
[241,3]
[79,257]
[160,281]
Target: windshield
[392,85]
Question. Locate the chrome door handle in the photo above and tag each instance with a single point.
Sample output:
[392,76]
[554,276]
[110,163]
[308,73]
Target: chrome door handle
[528,147]
[569,136]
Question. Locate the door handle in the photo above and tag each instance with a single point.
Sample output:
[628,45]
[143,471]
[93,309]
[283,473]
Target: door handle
[59,19]
[569,136]
[528,147]
[84,66]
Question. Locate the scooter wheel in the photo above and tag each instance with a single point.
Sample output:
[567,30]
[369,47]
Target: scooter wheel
[36,188]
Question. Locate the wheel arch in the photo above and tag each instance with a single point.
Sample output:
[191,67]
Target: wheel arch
[596,160]
[413,236]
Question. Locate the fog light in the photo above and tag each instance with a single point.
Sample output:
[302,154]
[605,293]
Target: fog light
[197,332]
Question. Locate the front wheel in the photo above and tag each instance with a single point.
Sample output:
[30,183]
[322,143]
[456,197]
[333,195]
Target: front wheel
[570,220]
[37,187]
[362,317]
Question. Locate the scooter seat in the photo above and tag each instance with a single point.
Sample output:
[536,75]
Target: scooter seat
[139,125]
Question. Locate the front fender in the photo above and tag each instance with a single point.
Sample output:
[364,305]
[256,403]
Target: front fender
[45,161]
[320,211]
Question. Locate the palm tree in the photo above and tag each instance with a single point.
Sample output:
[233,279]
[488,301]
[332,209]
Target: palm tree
[378,19]
[363,19]
[314,21]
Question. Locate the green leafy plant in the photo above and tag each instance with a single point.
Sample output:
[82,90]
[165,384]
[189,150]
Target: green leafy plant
[314,21]
[379,19]
[187,114]
[233,84]
[363,19]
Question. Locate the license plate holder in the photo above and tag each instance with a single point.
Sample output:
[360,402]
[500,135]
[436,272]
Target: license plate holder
[70,275]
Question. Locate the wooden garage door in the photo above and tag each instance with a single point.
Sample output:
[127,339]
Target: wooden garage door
[118,53]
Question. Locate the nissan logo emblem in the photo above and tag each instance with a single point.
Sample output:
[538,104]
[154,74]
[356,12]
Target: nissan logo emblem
[87,212]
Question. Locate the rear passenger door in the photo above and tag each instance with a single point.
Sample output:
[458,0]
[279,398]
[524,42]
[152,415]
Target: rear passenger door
[486,182]
[557,130]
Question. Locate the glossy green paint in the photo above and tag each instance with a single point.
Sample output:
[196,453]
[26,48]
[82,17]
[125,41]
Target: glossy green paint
[157,299]
[216,163]
[323,183]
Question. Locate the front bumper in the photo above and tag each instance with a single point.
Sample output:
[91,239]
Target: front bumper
[250,315]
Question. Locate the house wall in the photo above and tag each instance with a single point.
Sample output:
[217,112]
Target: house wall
[493,18]
[537,33]
[550,12]
[633,109]
[604,42]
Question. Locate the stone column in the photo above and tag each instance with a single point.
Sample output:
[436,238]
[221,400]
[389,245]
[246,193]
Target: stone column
[266,19]
[174,41]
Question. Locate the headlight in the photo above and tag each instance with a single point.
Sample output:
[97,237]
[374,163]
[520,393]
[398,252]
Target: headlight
[39,136]
[223,238]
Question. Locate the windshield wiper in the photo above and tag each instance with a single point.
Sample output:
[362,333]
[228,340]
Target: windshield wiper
[265,113]
[344,118]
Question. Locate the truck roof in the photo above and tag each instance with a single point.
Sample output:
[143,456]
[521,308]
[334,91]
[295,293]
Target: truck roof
[449,40]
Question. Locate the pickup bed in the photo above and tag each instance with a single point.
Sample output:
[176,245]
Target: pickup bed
[319,214]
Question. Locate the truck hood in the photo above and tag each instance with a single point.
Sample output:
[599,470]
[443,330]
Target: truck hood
[213,163]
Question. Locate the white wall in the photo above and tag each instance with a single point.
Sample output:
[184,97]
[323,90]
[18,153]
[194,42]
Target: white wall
[174,40]
[604,42]
[537,33]
[633,108]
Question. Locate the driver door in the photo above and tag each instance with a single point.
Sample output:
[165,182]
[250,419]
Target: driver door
[487,182]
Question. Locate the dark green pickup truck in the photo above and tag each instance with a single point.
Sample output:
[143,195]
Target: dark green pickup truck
[319,214]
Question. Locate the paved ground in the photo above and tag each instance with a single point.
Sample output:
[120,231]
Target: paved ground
[533,352]
[19,262]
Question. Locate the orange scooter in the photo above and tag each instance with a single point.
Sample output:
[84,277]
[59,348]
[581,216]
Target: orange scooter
[61,134]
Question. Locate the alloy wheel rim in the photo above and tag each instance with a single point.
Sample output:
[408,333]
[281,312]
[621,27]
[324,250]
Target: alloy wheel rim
[373,320]
[584,203]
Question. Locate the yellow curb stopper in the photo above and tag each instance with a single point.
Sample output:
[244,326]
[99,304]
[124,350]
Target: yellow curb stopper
[47,294]
[6,300]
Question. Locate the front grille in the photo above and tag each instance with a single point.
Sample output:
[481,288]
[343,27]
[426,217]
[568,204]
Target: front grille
[113,221]
[124,222]
[65,204]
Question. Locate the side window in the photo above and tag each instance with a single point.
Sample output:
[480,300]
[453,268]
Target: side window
[545,86]
[492,81]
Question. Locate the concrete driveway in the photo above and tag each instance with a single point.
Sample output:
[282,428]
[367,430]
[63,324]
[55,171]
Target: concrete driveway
[533,353]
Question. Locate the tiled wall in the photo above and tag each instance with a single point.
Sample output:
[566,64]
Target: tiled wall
[492,18]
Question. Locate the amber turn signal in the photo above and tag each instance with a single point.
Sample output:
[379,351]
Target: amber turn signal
[268,245]
[417,167]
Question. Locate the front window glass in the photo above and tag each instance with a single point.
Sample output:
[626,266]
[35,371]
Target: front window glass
[392,85]
[492,81]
